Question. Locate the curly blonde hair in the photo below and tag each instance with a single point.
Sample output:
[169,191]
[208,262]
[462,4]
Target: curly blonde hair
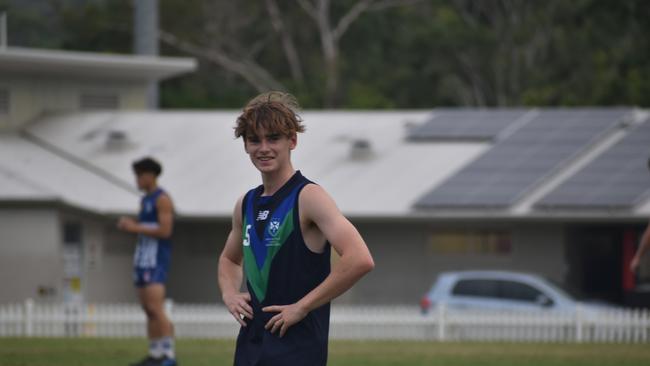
[274,111]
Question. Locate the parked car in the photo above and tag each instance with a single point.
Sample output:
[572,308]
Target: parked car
[498,290]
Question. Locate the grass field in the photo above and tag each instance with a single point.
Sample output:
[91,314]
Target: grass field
[100,352]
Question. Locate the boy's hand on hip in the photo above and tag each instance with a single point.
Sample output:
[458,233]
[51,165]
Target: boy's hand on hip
[238,305]
[287,316]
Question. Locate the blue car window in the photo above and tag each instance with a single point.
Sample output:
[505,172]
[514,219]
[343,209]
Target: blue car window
[511,290]
[477,288]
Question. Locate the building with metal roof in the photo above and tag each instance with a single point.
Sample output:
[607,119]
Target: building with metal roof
[563,192]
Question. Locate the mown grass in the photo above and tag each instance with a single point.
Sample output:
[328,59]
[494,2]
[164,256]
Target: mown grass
[100,352]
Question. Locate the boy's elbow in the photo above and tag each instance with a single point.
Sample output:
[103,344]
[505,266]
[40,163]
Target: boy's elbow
[368,265]
[222,258]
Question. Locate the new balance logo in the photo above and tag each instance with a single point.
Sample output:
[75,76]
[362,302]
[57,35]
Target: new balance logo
[262,215]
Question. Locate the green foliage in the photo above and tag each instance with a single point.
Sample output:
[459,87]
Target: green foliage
[31,23]
[204,89]
[97,26]
[421,55]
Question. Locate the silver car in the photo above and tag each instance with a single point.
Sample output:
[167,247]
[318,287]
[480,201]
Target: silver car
[496,290]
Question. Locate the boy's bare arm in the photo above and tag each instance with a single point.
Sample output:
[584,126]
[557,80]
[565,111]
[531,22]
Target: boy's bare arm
[230,272]
[165,225]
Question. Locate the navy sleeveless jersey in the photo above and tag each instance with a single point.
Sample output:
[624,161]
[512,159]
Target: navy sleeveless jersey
[280,270]
[151,252]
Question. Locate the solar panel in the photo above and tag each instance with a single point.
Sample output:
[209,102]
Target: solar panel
[518,163]
[618,178]
[465,124]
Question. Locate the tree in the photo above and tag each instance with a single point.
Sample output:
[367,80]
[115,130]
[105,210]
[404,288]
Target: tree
[227,41]
[373,53]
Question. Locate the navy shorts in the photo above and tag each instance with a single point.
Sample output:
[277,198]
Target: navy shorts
[143,277]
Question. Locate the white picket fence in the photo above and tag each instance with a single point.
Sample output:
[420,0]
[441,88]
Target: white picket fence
[347,322]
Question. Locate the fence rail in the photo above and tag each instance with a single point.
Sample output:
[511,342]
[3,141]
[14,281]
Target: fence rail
[32,319]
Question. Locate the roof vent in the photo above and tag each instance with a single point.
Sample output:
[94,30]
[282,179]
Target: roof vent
[117,140]
[361,149]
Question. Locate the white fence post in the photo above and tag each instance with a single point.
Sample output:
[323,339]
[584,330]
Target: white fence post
[441,313]
[579,324]
[29,317]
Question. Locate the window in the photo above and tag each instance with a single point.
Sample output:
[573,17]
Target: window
[477,288]
[94,101]
[72,233]
[477,242]
[73,261]
[72,249]
[499,289]
[511,290]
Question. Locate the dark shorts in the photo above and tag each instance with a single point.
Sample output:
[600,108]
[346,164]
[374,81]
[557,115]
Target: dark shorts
[304,344]
[143,277]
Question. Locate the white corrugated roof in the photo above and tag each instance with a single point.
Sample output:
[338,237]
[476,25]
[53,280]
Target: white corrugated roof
[28,172]
[206,169]
[73,158]
[394,178]
[17,187]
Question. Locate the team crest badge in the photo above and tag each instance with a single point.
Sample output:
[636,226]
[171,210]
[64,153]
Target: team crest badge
[274,227]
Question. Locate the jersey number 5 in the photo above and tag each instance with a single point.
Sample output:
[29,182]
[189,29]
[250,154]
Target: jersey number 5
[247,237]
